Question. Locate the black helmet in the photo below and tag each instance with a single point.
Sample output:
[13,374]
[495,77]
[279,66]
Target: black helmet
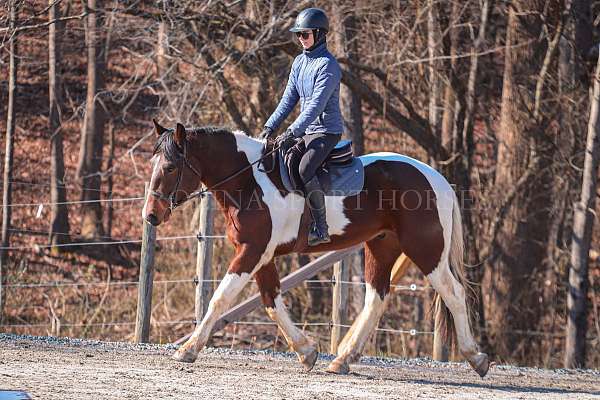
[311,18]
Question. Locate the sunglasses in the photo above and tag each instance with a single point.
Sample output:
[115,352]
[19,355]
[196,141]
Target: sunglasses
[304,35]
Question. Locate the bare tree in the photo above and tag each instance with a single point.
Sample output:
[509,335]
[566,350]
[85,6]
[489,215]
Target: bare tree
[577,308]
[434,52]
[512,270]
[346,42]
[162,48]
[582,15]
[59,229]
[8,156]
[92,134]
[450,99]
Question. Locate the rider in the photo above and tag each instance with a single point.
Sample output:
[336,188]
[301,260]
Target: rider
[315,81]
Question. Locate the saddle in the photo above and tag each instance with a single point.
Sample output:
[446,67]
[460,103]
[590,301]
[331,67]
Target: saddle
[341,174]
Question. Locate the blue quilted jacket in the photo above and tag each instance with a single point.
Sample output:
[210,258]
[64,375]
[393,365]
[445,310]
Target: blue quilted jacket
[315,82]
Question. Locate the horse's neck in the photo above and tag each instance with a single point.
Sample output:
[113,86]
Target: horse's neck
[233,193]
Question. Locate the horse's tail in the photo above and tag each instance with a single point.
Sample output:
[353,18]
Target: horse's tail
[457,268]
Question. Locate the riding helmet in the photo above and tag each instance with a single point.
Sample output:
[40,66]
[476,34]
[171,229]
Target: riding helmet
[311,18]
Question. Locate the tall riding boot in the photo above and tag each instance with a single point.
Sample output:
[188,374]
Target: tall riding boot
[319,231]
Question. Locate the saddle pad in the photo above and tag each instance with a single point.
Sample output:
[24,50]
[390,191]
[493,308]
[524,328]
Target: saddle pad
[336,180]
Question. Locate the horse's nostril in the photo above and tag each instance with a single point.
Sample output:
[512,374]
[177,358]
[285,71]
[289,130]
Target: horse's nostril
[152,219]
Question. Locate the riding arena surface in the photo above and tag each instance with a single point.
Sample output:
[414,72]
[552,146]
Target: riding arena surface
[60,368]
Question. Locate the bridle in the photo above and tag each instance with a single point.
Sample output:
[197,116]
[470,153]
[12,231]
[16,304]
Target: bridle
[172,197]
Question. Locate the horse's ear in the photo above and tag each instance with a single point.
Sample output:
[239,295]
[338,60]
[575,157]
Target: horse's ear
[158,128]
[179,135]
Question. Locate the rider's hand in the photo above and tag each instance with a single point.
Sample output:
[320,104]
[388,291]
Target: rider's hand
[267,133]
[287,141]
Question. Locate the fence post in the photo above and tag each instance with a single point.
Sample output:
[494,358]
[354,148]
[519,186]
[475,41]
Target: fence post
[339,312]
[144,305]
[204,256]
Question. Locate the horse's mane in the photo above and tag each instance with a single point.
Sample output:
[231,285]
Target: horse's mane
[172,152]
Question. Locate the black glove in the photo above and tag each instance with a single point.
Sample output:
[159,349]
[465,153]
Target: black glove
[286,141]
[267,133]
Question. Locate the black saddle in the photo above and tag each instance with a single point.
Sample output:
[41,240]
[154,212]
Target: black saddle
[341,174]
[341,154]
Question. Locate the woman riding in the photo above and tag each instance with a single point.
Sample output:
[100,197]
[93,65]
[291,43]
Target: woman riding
[314,81]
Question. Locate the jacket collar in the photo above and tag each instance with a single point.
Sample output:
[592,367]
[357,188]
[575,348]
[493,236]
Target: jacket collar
[317,51]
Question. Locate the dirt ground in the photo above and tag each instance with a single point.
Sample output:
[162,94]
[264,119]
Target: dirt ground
[50,368]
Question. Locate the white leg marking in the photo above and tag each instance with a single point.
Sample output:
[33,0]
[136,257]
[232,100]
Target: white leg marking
[352,346]
[453,295]
[294,336]
[226,293]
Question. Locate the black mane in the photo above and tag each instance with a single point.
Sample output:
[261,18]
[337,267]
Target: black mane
[172,152]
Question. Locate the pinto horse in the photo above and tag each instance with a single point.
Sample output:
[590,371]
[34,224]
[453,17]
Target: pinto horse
[405,207]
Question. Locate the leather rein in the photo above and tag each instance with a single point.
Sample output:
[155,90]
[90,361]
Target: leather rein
[172,197]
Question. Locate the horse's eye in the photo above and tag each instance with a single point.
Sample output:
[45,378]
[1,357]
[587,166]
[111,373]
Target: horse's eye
[170,168]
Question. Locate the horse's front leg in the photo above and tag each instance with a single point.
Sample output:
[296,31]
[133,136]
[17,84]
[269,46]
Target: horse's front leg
[268,284]
[238,275]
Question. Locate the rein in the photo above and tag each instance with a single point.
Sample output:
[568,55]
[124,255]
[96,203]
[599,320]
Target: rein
[171,198]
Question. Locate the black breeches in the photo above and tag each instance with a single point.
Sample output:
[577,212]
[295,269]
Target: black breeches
[318,146]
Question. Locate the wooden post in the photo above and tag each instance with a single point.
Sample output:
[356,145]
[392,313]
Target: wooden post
[144,305]
[204,256]
[399,270]
[339,311]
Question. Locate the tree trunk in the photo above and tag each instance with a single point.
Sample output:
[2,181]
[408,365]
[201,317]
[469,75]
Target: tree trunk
[346,42]
[514,273]
[583,222]
[92,135]
[449,95]
[582,14]
[162,49]
[434,51]
[59,230]
[110,178]
[8,156]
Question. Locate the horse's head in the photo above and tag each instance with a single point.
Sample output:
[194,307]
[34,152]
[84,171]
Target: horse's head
[174,174]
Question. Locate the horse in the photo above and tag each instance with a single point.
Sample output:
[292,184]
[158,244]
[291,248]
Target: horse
[405,207]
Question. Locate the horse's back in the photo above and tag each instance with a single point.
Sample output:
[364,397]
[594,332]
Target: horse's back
[403,166]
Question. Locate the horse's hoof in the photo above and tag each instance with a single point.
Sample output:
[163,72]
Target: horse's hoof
[309,360]
[185,356]
[480,363]
[338,367]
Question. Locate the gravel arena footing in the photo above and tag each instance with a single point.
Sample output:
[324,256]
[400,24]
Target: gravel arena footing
[63,368]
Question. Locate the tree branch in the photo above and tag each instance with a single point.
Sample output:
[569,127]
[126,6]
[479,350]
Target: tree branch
[226,93]
[43,24]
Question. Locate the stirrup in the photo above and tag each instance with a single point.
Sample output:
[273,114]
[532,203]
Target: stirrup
[316,237]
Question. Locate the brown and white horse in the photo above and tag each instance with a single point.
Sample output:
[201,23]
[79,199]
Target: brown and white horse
[405,207]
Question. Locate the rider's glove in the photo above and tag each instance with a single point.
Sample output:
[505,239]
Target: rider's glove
[267,133]
[287,141]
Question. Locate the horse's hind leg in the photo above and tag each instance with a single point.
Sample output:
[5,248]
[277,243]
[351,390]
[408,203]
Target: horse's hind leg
[268,284]
[452,292]
[380,255]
